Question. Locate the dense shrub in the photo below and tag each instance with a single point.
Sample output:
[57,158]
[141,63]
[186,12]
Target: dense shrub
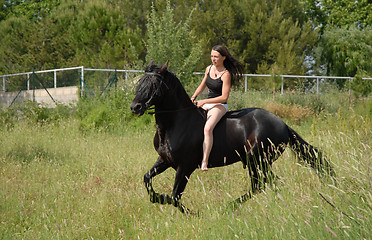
[110,112]
[33,112]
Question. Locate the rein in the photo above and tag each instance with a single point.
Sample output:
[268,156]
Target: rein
[169,111]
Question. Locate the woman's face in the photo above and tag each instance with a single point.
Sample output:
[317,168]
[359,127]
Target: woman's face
[217,59]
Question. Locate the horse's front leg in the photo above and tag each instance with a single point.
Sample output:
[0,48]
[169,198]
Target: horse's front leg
[182,178]
[159,167]
[180,182]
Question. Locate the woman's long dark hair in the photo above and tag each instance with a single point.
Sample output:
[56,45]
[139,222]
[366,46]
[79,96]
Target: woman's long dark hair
[232,64]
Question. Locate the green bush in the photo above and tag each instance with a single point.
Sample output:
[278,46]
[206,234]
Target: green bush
[361,87]
[34,113]
[110,112]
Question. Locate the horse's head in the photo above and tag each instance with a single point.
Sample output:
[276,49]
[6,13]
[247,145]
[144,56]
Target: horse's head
[150,89]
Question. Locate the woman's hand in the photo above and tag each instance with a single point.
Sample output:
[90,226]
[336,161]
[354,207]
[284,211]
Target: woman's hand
[193,99]
[200,103]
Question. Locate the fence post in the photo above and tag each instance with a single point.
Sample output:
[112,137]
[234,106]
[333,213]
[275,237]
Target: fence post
[281,88]
[3,84]
[317,85]
[245,84]
[55,79]
[82,81]
[350,81]
[33,85]
[28,81]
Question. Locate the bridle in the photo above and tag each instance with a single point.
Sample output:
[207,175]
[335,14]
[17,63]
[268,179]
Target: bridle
[147,104]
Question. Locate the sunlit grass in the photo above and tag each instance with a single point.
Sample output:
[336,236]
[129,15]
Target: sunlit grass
[59,183]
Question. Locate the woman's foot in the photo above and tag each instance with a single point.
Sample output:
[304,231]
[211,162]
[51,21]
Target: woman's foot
[204,166]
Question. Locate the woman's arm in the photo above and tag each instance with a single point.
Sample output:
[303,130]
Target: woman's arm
[202,85]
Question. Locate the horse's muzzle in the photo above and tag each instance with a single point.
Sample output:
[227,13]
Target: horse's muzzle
[137,108]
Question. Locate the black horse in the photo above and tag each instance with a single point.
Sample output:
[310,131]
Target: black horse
[252,135]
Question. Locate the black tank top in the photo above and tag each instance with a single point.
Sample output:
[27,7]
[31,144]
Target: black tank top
[214,85]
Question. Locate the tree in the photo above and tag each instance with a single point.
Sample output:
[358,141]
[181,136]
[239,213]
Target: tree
[14,43]
[5,7]
[101,38]
[168,40]
[68,34]
[214,22]
[346,51]
[274,34]
[344,47]
[339,13]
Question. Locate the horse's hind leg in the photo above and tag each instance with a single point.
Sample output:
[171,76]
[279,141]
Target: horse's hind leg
[253,159]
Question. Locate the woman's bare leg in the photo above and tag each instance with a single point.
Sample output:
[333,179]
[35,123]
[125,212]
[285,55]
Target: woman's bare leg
[214,115]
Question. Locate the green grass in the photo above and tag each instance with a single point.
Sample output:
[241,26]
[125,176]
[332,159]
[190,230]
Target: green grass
[57,182]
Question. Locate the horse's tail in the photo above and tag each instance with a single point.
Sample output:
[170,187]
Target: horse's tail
[310,154]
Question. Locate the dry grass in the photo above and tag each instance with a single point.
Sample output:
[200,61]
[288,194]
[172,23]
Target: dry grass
[293,112]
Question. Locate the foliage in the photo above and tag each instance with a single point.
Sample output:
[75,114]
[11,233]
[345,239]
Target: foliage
[32,9]
[168,40]
[360,86]
[215,22]
[101,37]
[339,13]
[14,30]
[345,51]
[289,36]
[344,44]
[34,113]
[91,33]
[275,36]
[110,113]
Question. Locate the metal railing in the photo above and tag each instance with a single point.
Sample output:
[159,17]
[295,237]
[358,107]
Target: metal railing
[54,71]
[318,78]
[83,69]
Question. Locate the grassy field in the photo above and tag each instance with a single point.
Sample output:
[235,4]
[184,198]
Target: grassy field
[59,182]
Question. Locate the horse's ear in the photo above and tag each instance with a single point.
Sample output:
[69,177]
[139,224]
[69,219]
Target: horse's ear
[164,67]
[152,63]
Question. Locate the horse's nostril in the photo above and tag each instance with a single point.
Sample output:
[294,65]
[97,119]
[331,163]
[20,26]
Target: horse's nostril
[135,108]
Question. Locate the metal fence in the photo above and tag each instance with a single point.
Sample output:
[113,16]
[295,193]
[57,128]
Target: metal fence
[316,88]
[78,74]
[90,78]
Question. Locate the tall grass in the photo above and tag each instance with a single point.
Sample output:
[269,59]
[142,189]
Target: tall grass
[59,181]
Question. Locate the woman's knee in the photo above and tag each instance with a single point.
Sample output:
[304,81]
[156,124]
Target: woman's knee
[208,130]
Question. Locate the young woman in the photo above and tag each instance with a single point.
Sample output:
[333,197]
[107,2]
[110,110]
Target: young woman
[218,78]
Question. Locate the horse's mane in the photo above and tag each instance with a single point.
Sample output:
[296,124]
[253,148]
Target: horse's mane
[170,79]
[174,84]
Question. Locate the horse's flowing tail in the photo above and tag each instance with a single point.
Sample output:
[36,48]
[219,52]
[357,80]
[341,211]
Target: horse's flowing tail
[310,154]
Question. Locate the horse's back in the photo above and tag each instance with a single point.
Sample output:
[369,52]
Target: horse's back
[258,122]
[239,130]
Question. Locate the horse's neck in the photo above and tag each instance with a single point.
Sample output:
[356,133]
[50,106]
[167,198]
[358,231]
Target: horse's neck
[176,99]
[174,107]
